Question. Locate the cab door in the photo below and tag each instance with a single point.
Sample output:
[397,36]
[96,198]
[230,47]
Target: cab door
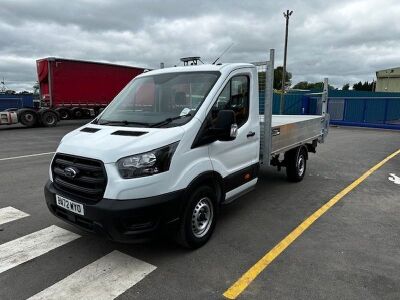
[237,160]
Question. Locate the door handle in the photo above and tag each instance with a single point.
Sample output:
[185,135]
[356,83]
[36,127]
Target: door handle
[251,133]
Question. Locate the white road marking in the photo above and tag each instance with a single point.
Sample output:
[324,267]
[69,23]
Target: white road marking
[28,247]
[24,156]
[105,279]
[394,178]
[9,214]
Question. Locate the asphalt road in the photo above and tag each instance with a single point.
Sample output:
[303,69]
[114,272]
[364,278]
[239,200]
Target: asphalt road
[351,252]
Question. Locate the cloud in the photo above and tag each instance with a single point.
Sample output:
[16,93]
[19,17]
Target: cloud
[345,41]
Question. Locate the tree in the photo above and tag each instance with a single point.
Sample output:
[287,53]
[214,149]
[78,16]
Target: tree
[302,85]
[346,87]
[366,86]
[305,85]
[278,73]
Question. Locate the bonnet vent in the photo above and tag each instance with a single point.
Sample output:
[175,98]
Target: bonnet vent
[128,133]
[90,129]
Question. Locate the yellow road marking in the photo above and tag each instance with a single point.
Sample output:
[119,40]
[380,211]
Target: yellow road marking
[243,282]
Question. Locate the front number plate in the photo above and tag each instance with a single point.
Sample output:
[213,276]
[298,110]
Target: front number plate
[70,205]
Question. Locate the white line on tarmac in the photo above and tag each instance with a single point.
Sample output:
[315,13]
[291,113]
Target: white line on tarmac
[9,214]
[28,247]
[24,156]
[106,278]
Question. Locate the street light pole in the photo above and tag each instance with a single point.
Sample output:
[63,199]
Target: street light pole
[287,15]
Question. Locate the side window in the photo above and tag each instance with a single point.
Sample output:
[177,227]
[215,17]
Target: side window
[235,96]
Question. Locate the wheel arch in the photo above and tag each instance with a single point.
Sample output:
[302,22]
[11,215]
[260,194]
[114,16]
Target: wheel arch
[297,150]
[305,150]
[210,178]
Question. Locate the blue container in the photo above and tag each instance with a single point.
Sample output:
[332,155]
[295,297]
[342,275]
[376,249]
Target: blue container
[16,101]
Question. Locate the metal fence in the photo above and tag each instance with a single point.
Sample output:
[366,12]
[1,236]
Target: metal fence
[365,112]
[294,104]
[376,110]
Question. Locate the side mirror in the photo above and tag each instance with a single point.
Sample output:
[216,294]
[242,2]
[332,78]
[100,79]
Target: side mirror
[225,127]
[234,131]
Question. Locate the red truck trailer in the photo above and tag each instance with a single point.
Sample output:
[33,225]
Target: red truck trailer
[75,88]
[70,89]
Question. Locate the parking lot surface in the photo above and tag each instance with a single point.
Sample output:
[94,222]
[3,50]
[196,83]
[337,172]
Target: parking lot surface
[351,252]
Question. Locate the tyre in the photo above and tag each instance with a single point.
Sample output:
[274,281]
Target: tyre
[296,164]
[27,117]
[77,113]
[49,118]
[198,218]
[88,113]
[98,110]
[65,113]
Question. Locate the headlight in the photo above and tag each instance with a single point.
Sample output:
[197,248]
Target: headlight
[148,163]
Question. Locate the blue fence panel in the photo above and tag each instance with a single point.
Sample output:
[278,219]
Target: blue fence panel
[369,110]
[393,112]
[312,105]
[354,110]
[293,104]
[375,110]
[275,104]
[336,109]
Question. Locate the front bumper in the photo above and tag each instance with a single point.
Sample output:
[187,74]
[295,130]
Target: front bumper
[121,220]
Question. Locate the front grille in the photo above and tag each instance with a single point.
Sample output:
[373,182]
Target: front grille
[89,183]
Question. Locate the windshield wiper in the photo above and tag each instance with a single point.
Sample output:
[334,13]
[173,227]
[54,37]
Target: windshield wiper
[168,120]
[122,123]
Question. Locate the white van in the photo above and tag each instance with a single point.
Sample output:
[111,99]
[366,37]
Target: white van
[173,146]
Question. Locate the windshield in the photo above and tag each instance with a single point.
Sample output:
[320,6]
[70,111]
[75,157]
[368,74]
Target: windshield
[162,100]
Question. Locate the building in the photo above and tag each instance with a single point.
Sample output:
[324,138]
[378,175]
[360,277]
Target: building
[388,80]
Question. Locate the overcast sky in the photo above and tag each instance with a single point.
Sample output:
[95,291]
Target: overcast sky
[346,41]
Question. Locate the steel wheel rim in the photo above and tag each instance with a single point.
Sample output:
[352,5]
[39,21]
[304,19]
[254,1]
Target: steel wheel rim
[29,117]
[301,165]
[64,114]
[202,217]
[50,120]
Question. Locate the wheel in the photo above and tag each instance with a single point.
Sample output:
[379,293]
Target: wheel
[296,164]
[77,113]
[98,110]
[27,117]
[198,218]
[65,113]
[49,118]
[88,113]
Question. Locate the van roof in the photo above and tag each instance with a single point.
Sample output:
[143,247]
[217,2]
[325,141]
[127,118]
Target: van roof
[229,67]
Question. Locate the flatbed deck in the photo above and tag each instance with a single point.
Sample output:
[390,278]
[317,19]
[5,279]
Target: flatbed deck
[290,131]
[280,120]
